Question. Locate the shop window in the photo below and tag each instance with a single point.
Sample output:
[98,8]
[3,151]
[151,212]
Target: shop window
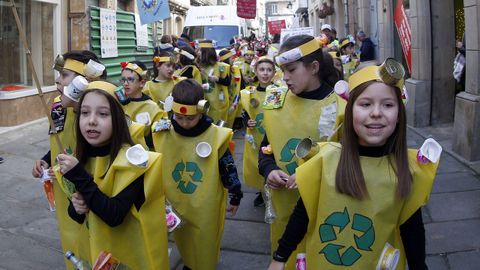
[41,21]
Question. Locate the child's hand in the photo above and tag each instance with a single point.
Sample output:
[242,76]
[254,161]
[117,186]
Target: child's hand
[274,265]
[38,167]
[277,179]
[251,123]
[232,209]
[292,181]
[66,162]
[51,173]
[213,78]
[79,204]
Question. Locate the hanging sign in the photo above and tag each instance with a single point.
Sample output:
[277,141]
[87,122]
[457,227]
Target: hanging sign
[404,32]
[247,9]
[108,33]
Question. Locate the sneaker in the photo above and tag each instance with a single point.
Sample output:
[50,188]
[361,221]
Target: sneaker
[258,200]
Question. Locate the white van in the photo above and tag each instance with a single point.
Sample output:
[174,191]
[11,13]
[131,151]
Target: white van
[217,23]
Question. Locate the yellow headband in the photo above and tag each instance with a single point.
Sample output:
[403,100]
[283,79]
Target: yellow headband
[226,56]
[296,53]
[75,66]
[162,59]
[390,72]
[110,88]
[334,55]
[184,109]
[187,54]
[345,43]
[250,52]
[264,59]
[135,68]
[205,45]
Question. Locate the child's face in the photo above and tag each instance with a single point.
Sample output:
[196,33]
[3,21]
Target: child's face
[337,63]
[64,79]
[265,72]
[165,70]
[299,77]
[375,114]
[187,121]
[96,119]
[248,58]
[132,83]
[349,49]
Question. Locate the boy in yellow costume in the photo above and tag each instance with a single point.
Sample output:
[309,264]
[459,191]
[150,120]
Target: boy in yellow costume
[71,82]
[236,84]
[216,80]
[137,105]
[186,60]
[161,86]
[360,200]
[308,108]
[199,168]
[118,199]
[251,99]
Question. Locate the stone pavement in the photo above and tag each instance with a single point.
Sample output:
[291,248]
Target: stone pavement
[29,237]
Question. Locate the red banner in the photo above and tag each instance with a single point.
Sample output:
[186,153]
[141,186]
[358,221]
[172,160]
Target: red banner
[404,32]
[247,9]
[275,27]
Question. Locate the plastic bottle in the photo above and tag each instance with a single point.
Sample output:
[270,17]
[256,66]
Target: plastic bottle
[76,262]
[301,262]
[270,214]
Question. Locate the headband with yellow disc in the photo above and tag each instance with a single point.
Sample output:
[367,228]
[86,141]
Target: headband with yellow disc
[296,53]
[163,59]
[115,91]
[90,70]
[389,72]
[205,44]
[264,59]
[201,107]
[345,42]
[135,68]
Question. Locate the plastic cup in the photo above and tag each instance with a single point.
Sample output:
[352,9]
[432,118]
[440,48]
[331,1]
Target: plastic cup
[137,155]
[203,149]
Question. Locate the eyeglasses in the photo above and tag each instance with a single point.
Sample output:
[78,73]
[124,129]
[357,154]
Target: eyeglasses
[129,80]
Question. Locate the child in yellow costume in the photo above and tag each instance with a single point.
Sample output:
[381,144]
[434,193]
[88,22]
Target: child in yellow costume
[137,105]
[118,199]
[71,82]
[237,83]
[348,57]
[360,200]
[161,86]
[198,168]
[251,99]
[309,108]
[246,68]
[186,60]
[216,80]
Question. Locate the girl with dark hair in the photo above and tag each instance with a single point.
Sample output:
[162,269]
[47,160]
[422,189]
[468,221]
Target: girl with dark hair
[196,155]
[161,86]
[188,68]
[116,187]
[216,80]
[370,180]
[306,107]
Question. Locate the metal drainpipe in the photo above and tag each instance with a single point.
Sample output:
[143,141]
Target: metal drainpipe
[346,17]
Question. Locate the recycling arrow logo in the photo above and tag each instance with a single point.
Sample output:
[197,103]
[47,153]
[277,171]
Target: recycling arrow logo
[259,125]
[187,175]
[287,154]
[363,241]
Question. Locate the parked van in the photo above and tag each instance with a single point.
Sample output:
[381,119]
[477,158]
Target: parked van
[218,23]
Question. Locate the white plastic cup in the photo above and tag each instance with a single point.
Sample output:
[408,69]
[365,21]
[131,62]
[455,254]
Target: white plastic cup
[203,149]
[137,155]
[341,89]
[429,152]
[93,69]
[75,88]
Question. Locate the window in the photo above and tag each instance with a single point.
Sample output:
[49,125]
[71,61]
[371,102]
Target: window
[274,9]
[41,21]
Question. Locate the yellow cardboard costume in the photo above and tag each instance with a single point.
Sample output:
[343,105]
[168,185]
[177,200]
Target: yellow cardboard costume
[251,100]
[140,242]
[159,90]
[195,191]
[345,232]
[234,110]
[217,94]
[317,119]
[196,74]
[135,107]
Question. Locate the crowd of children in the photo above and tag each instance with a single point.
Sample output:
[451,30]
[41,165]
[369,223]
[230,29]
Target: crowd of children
[326,139]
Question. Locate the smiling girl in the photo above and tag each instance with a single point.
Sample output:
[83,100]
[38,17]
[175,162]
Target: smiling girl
[115,199]
[360,200]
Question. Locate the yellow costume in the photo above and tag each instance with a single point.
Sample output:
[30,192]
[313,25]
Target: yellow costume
[217,94]
[159,90]
[251,100]
[319,120]
[344,231]
[234,110]
[140,242]
[196,74]
[194,188]
[133,108]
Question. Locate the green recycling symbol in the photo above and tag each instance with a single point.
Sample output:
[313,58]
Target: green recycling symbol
[190,170]
[259,119]
[340,220]
[287,154]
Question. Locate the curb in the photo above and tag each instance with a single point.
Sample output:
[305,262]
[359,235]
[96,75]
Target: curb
[4,130]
